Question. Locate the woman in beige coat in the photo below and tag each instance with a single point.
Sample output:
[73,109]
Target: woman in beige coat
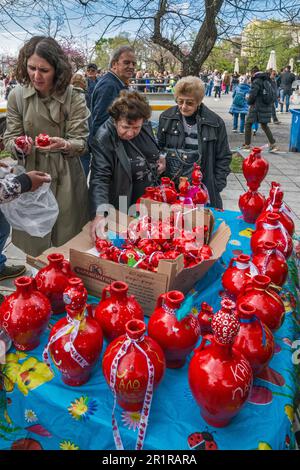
[47,103]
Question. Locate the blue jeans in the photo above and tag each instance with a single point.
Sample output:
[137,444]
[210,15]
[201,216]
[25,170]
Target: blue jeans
[242,121]
[255,126]
[209,89]
[286,97]
[4,233]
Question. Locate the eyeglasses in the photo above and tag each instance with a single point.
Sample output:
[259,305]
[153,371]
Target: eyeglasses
[189,103]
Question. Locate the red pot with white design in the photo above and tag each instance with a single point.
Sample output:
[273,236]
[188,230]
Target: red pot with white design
[24,315]
[254,339]
[53,279]
[268,304]
[220,377]
[285,217]
[115,309]
[271,262]
[125,362]
[177,338]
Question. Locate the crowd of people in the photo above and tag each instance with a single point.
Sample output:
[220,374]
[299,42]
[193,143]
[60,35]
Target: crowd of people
[101,143]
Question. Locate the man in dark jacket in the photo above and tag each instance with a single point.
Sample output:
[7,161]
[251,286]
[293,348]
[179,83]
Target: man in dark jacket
[207,140]
[261,100]
[122,67]
[286,80]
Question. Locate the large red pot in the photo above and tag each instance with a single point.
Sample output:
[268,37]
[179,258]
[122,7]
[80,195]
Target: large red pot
[285,218]
[272,231]
[254,339]
[235,276]
[271,262]
[76,358]
[269,306]
[168,191]
[53,279]
[115,309]
[255,169]
[219,376]
[125,365]
[251,205]
[24,315]
[177,338]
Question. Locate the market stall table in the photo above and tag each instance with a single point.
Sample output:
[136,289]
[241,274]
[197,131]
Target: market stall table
[39,412]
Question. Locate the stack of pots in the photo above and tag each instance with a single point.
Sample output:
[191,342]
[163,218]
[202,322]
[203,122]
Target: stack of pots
[255,169]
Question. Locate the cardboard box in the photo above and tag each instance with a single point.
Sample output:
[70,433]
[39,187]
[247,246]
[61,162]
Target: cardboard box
[96,273]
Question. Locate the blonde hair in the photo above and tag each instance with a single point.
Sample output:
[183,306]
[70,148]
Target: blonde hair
[79,81]
[190,86]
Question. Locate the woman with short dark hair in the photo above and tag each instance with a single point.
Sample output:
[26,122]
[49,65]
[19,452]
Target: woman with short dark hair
[125,156]
[46,103]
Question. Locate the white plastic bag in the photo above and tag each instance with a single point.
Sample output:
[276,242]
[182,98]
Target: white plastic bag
[33,212]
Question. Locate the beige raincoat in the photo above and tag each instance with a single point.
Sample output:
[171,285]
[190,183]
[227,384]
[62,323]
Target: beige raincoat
[63,116]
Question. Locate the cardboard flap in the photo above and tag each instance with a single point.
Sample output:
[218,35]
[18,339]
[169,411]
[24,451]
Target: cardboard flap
[219,240]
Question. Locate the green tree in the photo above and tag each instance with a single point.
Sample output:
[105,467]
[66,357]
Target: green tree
[105,46]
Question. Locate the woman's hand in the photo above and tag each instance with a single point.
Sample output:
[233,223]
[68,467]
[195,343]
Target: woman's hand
[23,144]
[161,165]
[97,228]
[56,143]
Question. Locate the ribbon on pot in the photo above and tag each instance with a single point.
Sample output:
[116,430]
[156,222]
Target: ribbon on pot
[147,399]
[279,225]
[267,258]
[72,328]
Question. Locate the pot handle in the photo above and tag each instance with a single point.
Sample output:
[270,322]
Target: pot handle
[231,262]
[105,291]
[202,345]
[160,300]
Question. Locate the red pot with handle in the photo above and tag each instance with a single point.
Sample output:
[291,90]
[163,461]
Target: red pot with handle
[236,275]
[168,191]
[220,377]
[177,338]
[285,217]
[272,231]
[255,169]
[24,315]
[268,304]
[205,318]
[254,339]
[271,262]
[115,309]
[53,279]
[126,365]
[75,297]
[251,205]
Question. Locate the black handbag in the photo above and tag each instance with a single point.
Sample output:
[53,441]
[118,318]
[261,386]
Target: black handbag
[180,162]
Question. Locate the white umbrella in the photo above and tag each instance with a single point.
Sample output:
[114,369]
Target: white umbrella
[291,63]
[236,66]
[272,61]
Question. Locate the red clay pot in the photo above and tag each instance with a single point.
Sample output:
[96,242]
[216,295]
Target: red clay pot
[177,338]
[115,309]
[271,262]
[254,339]
[75,297]
[24,315]
[168,191]
[235,276]
[255,169]
[219,376]
[272,231]
[251,205]
[269,306]
[53,279]
[131,371]
[205,318]
[88,344]
[285,218]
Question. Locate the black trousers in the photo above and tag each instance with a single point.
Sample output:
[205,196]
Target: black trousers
[264,127]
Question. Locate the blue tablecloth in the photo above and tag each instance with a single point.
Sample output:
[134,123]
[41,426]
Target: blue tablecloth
[39,411]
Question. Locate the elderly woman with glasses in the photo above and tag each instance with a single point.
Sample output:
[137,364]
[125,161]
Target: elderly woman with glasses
[191,133]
